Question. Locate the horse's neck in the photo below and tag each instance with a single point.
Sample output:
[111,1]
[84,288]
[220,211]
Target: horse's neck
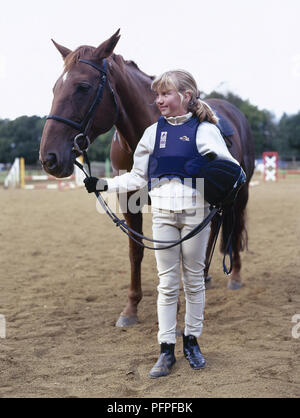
[137,110]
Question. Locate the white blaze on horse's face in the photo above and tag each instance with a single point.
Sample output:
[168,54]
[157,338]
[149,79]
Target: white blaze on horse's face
[65,76]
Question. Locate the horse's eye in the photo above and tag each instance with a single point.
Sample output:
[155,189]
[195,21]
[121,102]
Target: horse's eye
[83,88]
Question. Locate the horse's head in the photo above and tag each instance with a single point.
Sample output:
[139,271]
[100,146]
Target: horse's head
[83,106]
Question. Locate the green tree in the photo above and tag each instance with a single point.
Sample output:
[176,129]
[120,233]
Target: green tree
[100,149]
[5,142]
[289,131]
[21,138]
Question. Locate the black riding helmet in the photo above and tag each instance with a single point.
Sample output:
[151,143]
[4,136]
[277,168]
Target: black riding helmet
[222,179]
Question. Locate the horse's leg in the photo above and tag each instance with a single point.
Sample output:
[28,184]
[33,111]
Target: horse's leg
[121,159]
[239,238]
[136,252]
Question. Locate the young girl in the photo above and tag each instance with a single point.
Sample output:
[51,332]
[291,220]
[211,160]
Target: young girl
[186,129]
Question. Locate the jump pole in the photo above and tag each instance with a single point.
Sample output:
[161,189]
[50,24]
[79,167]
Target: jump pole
[22,173]
[61,184]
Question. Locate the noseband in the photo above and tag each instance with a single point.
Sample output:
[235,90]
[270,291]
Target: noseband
[85,125]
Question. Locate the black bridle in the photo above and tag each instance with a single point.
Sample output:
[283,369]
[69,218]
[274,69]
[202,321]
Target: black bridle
[85,125]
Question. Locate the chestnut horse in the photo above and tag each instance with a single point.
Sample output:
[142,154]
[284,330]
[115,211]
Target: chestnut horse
[98,90]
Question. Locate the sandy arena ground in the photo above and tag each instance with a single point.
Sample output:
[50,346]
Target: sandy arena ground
[64,279]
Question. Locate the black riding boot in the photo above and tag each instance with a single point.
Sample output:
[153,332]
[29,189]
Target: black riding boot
[192,352]
[166,360]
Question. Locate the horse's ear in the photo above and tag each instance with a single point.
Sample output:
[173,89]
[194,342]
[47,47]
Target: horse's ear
[62,49]
[106,48]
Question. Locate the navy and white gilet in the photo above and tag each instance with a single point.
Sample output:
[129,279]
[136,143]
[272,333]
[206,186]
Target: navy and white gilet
[175,149]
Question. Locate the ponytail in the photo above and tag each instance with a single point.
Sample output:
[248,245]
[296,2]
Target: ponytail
[203,111]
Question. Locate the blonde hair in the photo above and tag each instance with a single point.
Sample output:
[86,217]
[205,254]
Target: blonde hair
[182,81]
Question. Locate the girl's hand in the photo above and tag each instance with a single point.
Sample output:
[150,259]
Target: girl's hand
[93,184]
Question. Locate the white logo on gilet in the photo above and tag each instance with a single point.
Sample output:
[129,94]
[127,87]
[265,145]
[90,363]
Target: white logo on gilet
[163,140]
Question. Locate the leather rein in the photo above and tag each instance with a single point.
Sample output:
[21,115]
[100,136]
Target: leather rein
[83,129]
[137,237]
[131,232]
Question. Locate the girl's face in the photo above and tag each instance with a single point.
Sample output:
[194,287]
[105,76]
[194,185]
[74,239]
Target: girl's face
[169,103]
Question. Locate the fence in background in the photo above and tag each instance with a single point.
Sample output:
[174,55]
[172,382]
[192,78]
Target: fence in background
[17,178]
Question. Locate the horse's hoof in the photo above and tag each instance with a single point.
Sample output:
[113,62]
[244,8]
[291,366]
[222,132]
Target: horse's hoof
[126,321]
[234,285]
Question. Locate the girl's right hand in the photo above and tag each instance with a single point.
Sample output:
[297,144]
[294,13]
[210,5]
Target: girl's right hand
[93,184]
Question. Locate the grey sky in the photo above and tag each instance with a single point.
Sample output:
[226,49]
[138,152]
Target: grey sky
[249,47]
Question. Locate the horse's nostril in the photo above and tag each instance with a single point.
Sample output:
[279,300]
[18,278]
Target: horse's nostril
[50,162]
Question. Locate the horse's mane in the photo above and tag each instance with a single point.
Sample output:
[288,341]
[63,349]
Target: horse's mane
[134,65]
[129,63]
[87,52]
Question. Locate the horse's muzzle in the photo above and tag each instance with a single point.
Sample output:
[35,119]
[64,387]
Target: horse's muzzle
[52,166]
[50,163]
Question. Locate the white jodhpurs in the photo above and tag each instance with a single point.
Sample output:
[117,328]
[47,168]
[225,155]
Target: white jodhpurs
[188,258]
